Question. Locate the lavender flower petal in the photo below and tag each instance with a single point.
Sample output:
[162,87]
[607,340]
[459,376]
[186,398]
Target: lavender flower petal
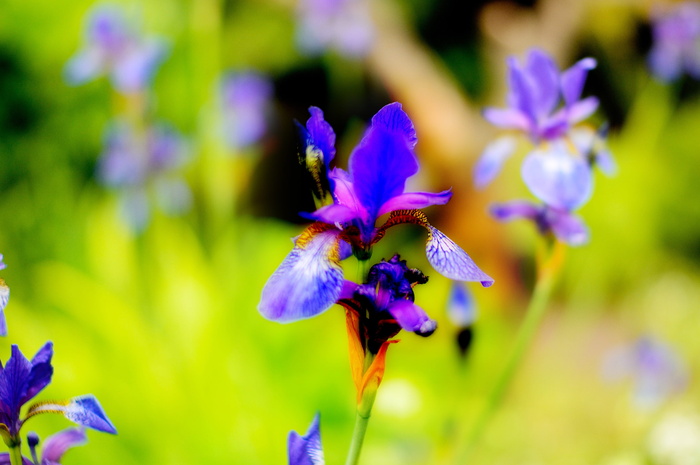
[461,309]
[412,318]
[489,164]
[567,227]
[415,200]
[83,410]
[306,450]
[57,444]
[573,79]
[451,261]
[558,178]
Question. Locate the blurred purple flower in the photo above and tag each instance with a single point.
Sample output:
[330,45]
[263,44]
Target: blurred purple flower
[306,450]
[54,448]
[461,308]
[141,163]
[4,298]
[676,41]
[246,101]
[310,279]
[343,25]
[113,48]
[655,369]
[22,379]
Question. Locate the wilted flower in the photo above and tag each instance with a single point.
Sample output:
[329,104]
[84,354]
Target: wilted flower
[306,450]
[4,298]
[246,101]
[145,162]
[113,48]
[310,278]
[54,448]
[656,370]
[676,41]
[342,25]
[22,379]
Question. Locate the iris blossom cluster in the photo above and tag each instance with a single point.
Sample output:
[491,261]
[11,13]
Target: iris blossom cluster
[113,48]
[546,105]
[144,162]
[246,100]
[306,450]
[676,41]
[342,25]
[310,279]
[4,298]
[20,381]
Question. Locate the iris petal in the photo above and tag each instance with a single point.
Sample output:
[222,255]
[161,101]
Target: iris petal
[57,444]
[508,118]
[558,178]
[384,159]
[515,209]
[306,450]
[582,109]
[308,281]
[412,318]
[451,261]
[321,135]
[573,79]
[544,74]
[492,159]
[83,410]
[4,298]
[460,305]
[415,201]
[567,227]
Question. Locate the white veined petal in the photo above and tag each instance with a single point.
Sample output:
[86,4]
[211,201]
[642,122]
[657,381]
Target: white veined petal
[451,261]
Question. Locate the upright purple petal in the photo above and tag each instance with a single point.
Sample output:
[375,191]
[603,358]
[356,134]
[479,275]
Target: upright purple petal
[308,281]
[384,159]
[40,373]
[521,95]
[321,135]
[306,450]
[451,261]
[57,444]
[489,164]
[412,318]
[559,178]
[544,75]
[573,79]
[13,387]
[415,201]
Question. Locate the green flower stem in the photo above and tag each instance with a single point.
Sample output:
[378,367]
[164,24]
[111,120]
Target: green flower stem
[358,436]
[16,455]
[547,273]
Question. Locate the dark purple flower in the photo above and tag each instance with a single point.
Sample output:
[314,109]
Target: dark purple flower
[341,25]
[246,101]
[54,448]
[655,369]
[113,48]
[145,163]
[22,379]
[306,450]
[310,279]
[676,41]
[561,222]
[4,298]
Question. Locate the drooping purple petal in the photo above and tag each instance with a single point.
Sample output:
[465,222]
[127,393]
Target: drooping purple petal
[489,164]
[582,109]
[306,450]
[83,410]
[560,179]
[384,159]
[57,444]
[567,227]
[544,76]
[461,309]
[508,118]
[451,261]
[415,201]
[308,281]
[573,79]
[514,210]
[412,318]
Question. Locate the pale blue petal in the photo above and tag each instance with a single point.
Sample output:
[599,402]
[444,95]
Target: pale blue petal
[558,178]
[451,261]
[461,309]
[308,281]
[489,164]
[83,410]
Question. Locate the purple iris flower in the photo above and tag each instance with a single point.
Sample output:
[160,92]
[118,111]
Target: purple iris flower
[246,101]
[654,367]
[54,448]
[343,25]
[310,279]
[676,41]
[144,164]
[4,298]
[22,379]
[113,48]
[306,450]
[546,105]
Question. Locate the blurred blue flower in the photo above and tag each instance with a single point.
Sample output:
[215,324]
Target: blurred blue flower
[310,278]
[676,41]
[113,48]
[306,450]
[22,379]
[653,366]
[246,101]
[461,308]
[4,298]
[145,162]
[342,25]
[54,448]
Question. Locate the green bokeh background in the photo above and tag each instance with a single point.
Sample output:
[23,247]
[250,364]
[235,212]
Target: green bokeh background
[162,325]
